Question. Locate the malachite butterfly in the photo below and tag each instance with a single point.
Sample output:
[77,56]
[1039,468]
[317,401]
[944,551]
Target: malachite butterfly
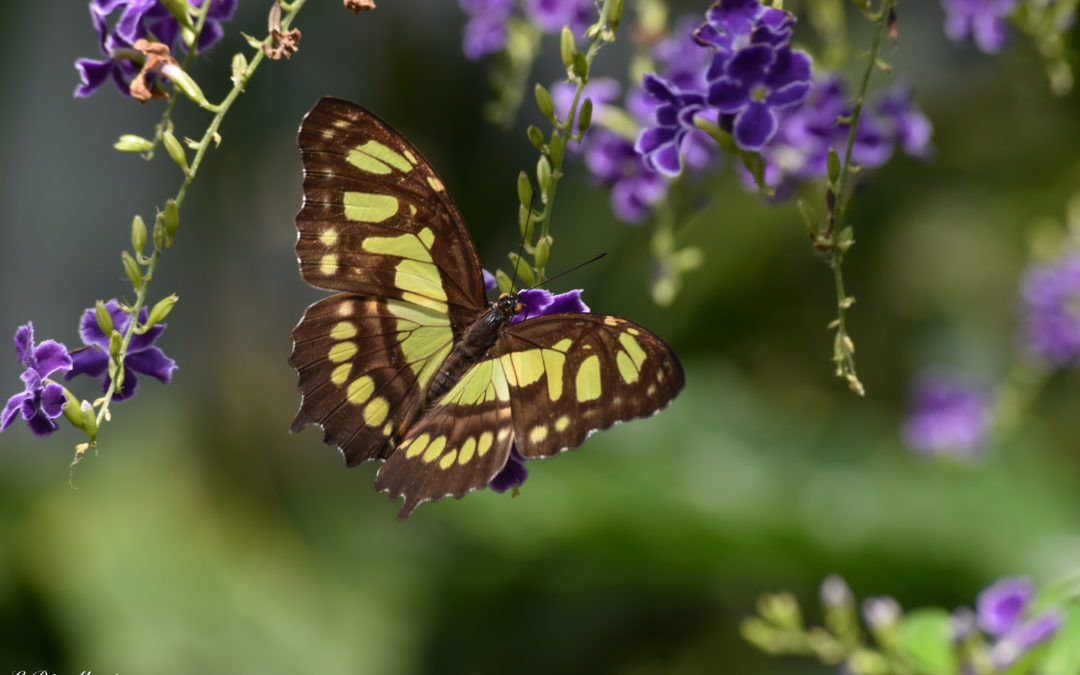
[409,363]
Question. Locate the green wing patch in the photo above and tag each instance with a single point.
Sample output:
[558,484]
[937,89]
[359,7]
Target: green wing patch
[376,220]
[457,445]
[573,374]
[364,365]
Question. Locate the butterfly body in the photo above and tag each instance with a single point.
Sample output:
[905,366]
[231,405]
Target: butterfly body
[409,363]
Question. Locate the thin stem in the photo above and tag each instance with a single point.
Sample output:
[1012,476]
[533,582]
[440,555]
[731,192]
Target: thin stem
[200,154]
[836,237]
[602,36]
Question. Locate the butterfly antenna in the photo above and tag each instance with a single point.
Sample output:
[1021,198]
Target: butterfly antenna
[521,247]
[572,269]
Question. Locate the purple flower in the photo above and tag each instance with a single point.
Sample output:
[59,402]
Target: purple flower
[754,84]
[1016,643]
[142,356]
[635,187]
[1001,610]
[537,302]
[1050,310]
[731,25]
[40,402]
[489,281]
[485,31]
[1000,606]
[661,144]
[982,19]
[551,15]
[140,19]
[680,58]
[948,416]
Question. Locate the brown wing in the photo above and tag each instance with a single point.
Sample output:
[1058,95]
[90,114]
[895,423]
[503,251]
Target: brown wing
[573,374]
[364,364]
[376,220]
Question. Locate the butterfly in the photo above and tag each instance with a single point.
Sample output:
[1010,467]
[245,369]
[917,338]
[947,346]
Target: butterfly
[409,363]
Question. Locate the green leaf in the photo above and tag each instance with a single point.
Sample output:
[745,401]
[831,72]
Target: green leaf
[132,143]
[138,234]
[525,190]
[566,47]
[543,102]
[176,151]
[925,636]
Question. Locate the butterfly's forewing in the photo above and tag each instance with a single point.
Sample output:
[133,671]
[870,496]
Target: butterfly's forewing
[572,374]
[457,445]
[363,364]
[376,220]
[548,383]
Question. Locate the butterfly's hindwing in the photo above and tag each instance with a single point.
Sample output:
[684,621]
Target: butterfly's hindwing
[376,220]
[364,364]
[573,374]
[457,445]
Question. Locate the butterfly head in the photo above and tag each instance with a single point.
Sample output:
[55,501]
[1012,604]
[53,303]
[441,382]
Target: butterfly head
[509,305]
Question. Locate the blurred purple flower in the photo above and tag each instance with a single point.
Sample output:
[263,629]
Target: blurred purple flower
[1050,310]
[661,143]
[485,31]
[679,57]
[142,356]
[635,187]
[731,25]
[39,403]
[948,416]
[140,19]
[982,19]
[489,281]
[1000,606]
[1001,609]
[551,15]
[537,302]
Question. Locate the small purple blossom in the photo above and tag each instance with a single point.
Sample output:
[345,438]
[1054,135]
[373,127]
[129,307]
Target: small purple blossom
[537,302]
[485,32]
[731,25]
[1050,310]
[1001,606]
[948,416]
[1001,610]
[142,356]
[489,281]
[552,15]
[140,19]
[40,402]
[661,144]
[984,20]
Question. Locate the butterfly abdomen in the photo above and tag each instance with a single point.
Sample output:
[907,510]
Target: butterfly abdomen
[475,342]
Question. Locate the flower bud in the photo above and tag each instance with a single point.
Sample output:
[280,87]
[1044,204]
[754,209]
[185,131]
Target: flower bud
[131,268]
[544,102]
[104,319]
[566,47]
[138,235]
[132,143]
[176,151]
[536,137]
[525,190]
[585,116]
[161,310]
[522,269]
[543,176]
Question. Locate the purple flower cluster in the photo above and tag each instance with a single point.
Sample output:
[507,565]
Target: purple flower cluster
[148,19]
[42,400]
[486,28]
[537,302]
[142,356]
[1050,310]
[984,20]
[1003,611]
[948,416]
[752,76]
[800,149]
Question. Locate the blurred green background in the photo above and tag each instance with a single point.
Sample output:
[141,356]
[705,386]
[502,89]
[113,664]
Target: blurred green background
[205,538]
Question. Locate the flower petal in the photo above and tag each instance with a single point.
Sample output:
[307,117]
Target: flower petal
[750,64]
[569,301]
[728,96]
[39,423]
[12,408]
[489,281]
[789,96]
[666,160]
[127,389]
[92,74]
[1001,605]
[53,400]
[652,138]
[513,473]
[52,356]
[152,362]
[91,361]
[791,65]
[659,88]
[24,344]
[755,126]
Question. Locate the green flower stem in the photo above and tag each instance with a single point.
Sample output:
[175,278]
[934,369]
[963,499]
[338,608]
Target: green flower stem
[837,238]
[204,145]
[166,117]
[602,34]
